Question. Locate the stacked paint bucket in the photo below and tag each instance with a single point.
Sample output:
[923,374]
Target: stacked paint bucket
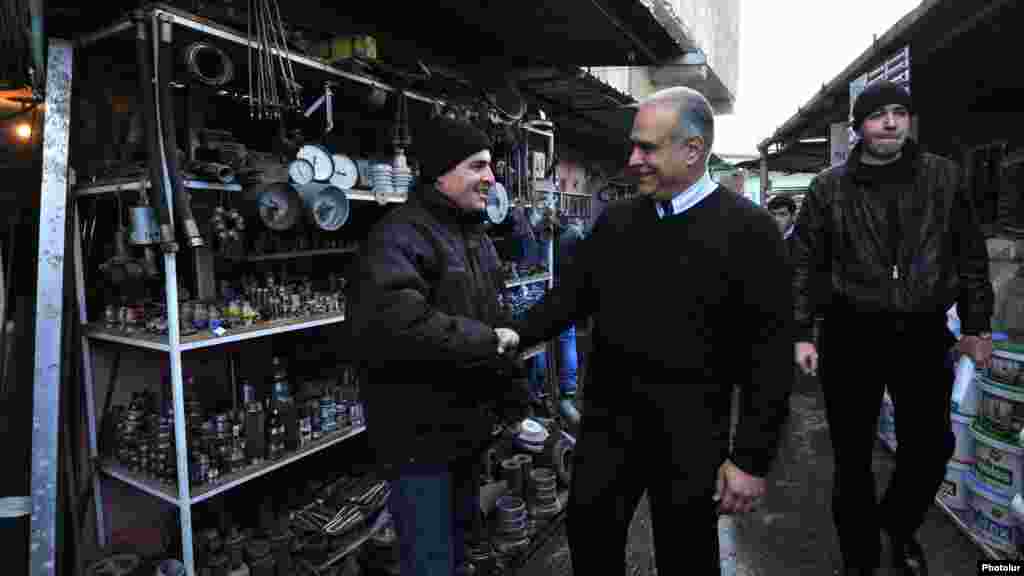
[996,476]
[958,470]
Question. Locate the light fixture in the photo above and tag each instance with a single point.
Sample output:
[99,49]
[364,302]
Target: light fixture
[814,140]
[23,131]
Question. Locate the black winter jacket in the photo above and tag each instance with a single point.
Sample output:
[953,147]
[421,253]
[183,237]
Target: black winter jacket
[841,258]
[423,318]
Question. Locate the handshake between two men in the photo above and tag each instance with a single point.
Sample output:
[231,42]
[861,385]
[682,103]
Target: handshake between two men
[508,340]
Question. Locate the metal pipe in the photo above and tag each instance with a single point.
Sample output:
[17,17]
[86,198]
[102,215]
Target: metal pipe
[36,15]
[164,76]
[151,136]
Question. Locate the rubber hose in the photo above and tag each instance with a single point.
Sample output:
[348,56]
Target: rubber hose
[157,197]
[181,202]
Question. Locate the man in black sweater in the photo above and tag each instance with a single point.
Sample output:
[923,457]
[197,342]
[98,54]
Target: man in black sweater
[688,286]
[883,245]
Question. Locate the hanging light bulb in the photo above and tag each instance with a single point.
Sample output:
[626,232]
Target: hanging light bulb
[23,131]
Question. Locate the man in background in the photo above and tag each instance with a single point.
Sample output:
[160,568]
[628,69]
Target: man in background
[884,244]
[783,209]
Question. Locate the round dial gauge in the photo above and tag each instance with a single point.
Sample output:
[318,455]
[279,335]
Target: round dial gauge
[323,166]
[329,208]
[279,206]
[497,204]
[346,173]
[301,172]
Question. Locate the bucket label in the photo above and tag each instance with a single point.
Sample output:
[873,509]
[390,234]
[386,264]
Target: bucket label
[998,532]
[992,472]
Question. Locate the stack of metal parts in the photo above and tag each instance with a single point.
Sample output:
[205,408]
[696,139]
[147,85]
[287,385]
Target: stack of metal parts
[511,534]
[522,298]
[269,301]
[144,441]
[352,509]
[544,500]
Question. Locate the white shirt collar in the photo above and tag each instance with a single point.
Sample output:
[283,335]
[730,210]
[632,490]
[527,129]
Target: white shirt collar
[690,197]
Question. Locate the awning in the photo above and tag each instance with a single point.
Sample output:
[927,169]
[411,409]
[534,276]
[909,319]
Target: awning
[955,50]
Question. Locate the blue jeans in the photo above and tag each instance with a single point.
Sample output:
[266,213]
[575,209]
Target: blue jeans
[566,370]
[433,507]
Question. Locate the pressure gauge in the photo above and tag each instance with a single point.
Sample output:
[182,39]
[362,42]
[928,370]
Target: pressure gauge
[301,172]
[497,204]
[279,206]
[346,173]
[323,166]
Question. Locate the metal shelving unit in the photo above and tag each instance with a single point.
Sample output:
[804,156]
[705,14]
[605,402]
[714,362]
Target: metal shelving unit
[174,343]
[181,493]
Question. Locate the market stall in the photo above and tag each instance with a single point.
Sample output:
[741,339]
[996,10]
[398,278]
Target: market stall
[213,243]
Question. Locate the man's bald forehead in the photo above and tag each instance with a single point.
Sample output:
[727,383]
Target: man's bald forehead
[679,97]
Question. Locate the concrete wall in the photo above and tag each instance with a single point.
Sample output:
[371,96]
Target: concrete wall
[713,26]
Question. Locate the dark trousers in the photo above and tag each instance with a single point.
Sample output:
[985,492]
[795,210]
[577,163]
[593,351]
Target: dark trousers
[860,356]
[436,509]
[647,443]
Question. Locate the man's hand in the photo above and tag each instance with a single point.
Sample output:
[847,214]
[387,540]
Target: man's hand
[736,491]
[807,358]
[979,349]
[508,340]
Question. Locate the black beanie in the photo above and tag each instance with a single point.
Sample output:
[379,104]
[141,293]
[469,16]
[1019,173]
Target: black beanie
[877,95]
[444,144]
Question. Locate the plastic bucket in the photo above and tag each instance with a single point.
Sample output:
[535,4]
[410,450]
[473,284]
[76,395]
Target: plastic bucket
[969,405]
[996,463]
[1001,410]
[953,490]
[964,452]
[1007,368]
[991,516]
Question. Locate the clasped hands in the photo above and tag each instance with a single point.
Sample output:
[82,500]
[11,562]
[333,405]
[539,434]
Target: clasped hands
[508,340]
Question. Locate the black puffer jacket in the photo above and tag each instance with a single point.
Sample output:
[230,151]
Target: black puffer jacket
[423,314]
[841,257]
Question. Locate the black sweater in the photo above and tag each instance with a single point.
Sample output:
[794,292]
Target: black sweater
[693,304]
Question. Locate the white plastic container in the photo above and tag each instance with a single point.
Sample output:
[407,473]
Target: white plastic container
[954,488]
[965,388]
[997,464]
[964,453]
[992,517]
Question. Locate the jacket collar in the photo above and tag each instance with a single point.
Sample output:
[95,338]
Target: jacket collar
[855,169]
[447,212]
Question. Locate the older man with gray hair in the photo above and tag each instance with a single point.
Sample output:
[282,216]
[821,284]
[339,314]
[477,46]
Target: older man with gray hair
[688,286]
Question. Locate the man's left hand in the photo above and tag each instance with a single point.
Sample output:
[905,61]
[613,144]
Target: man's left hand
[736,491]
[978,349]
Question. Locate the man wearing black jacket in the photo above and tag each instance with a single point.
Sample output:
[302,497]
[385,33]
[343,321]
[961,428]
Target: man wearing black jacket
[424,319]
[882,247]
[688,287]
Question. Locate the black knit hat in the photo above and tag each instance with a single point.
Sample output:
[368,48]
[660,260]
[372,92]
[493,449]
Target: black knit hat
[444,144]
[877,95]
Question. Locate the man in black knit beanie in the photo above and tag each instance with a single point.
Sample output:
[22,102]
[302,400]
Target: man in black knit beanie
[689,289]
[882,247]
[438,374]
